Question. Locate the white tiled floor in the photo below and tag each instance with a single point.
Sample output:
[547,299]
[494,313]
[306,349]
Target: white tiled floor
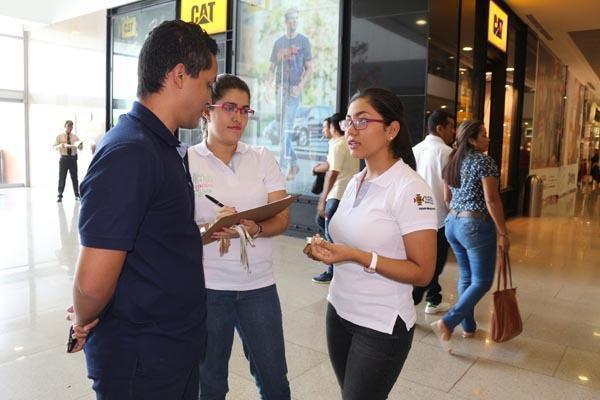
[556,263]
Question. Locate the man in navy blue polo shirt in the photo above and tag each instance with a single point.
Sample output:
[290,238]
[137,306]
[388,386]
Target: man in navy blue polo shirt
[140,266]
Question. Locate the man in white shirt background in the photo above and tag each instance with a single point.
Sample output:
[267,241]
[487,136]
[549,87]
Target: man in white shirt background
[432,155]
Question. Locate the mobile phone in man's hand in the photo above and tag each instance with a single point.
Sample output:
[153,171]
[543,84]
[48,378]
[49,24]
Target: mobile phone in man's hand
[72,341]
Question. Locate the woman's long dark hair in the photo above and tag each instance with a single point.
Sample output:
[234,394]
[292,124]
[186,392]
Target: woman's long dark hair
[389,106]
[466,130]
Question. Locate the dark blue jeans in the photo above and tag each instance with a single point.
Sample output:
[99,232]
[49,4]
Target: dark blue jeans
[256,315]
[366,362]
[181,385]
[473,242]
[286,107]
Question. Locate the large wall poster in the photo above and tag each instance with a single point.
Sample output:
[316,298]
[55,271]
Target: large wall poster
[548,111]
[287,52]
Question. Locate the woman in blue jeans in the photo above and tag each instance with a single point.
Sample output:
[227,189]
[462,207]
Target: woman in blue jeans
[475,220]
[240,297]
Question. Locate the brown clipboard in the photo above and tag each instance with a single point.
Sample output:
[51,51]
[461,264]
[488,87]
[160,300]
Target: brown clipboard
[257,214]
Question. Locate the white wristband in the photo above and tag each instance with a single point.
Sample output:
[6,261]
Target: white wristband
[373,266]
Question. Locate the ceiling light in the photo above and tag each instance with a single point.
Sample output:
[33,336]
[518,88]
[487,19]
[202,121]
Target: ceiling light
[510,69]
[444,106]
[421,22]
[451,58]
[488,73]
[467,48]
[583,378]
[462,69]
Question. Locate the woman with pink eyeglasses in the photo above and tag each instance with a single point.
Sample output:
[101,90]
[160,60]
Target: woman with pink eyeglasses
[240,297]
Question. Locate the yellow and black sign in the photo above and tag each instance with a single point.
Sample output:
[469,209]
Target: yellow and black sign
[497,27]
[211,15]
[129,27]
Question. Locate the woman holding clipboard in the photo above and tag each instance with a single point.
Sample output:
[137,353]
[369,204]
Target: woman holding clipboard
[240,177]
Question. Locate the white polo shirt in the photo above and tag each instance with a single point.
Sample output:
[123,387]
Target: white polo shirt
[244,184]
[432,155]
[396,203]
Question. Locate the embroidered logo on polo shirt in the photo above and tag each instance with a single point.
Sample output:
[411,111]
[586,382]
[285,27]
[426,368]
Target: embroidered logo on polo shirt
[203,184]
[420,200]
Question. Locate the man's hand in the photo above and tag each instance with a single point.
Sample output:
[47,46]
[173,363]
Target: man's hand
[80,332]
[321,207]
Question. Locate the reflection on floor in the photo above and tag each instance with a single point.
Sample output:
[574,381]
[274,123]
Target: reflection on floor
[556,262]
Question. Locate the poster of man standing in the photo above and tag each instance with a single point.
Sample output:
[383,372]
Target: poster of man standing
[290,69]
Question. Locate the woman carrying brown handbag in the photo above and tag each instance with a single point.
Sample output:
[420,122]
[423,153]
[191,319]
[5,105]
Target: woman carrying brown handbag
[476,218]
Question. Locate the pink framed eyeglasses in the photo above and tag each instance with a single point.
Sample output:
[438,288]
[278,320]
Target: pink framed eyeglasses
[358,124]
[231,108]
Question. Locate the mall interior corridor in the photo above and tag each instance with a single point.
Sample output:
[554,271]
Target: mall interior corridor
[556,265]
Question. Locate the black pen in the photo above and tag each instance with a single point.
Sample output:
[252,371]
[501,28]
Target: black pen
[217,202]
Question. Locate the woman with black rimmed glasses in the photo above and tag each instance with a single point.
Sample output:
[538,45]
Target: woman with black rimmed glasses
[384,234]
[239,297]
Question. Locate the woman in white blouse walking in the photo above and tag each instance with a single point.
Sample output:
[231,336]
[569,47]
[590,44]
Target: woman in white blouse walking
[384,234]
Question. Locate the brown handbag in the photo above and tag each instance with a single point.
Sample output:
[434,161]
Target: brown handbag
[506,319]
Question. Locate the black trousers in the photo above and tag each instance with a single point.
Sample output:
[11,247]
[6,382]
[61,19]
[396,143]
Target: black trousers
[366,362]
[67,164]
[434,290]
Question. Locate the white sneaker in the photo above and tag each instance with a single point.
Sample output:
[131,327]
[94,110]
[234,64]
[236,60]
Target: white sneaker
[431,309]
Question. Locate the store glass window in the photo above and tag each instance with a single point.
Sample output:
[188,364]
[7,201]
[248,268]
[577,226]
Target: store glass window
[388,49]
[528,102]
[510,110]
[129,30]
[442,62]
[287,53]
[11,68]
[465,68]
[12,143]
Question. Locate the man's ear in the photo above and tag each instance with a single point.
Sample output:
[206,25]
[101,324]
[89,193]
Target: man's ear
[177,75]
[439,129]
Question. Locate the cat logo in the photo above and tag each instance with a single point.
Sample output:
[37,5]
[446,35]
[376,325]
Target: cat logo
[211,15]
[203,14]
[129,28]
[497,26]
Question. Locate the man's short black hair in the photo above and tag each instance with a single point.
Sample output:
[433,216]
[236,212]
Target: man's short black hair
[438,117]
[169,44]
